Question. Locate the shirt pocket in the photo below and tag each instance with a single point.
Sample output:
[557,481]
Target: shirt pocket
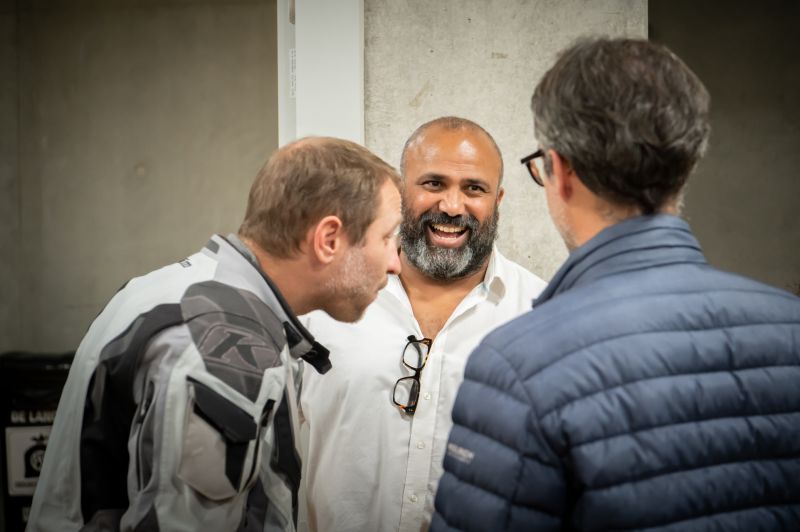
[220,455]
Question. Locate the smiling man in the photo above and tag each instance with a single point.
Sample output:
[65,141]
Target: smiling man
[375,428]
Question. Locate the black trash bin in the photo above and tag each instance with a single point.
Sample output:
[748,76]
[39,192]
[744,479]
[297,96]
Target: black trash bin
[30,387]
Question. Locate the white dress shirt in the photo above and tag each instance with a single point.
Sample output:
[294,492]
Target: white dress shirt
[368,466]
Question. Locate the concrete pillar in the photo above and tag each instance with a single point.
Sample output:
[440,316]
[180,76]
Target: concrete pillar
[480,59]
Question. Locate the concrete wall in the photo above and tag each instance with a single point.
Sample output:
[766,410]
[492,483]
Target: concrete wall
[480,59]
[9,183]
[743,200]
[142,125]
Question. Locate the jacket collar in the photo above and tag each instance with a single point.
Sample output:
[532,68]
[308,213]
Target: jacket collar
[301,343]
[634,244]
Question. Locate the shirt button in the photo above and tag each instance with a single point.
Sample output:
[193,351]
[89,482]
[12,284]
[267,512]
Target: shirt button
[413,498]
[427,396]
[420,445]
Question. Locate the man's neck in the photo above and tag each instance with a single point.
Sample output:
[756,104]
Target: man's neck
[289,275]
[602,215]
[433,300]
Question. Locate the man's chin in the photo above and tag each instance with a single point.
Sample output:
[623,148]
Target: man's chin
[351,314]
[345,316]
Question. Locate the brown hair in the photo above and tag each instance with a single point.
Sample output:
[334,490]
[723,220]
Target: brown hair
[309,179]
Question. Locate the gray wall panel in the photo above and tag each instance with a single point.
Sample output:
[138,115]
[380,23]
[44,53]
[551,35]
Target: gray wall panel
[9,185]
[142,126]
[743,200]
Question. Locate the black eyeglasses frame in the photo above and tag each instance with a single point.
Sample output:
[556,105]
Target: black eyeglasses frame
[413,399]
[530,165]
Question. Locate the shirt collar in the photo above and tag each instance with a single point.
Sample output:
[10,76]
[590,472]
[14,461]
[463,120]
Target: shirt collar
[494,281]
[496,277]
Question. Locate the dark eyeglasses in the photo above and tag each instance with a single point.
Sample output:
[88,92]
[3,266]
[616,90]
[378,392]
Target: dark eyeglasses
[531,166]
[406,389]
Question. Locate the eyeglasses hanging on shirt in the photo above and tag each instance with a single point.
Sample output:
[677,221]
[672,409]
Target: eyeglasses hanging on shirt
[406,389]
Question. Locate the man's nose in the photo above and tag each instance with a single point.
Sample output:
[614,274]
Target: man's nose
[452,203]
[393,265]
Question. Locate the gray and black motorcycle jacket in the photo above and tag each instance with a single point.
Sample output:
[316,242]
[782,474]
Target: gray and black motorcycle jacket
[179,412]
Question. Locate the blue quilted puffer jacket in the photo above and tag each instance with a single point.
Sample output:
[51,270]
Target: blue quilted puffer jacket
[646,390]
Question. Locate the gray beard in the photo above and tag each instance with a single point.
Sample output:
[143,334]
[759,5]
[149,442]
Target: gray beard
[446,264]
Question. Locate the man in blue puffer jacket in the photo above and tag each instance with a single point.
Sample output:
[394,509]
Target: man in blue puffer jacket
[646,390]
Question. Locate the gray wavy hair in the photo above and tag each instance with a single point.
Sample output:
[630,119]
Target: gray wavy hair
[629,116]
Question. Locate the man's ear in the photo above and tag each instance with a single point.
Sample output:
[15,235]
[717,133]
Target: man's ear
[563,176]
[327,238]
[500,194]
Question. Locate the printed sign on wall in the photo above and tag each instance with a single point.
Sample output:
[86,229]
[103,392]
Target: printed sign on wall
[25,448]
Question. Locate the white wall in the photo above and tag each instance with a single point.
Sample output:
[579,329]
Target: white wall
[287,78]
[325,93]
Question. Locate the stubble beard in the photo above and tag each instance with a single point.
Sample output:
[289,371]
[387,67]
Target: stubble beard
[347,291]
[559,218]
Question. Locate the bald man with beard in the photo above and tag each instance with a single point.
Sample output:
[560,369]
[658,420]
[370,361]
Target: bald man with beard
[375,429]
